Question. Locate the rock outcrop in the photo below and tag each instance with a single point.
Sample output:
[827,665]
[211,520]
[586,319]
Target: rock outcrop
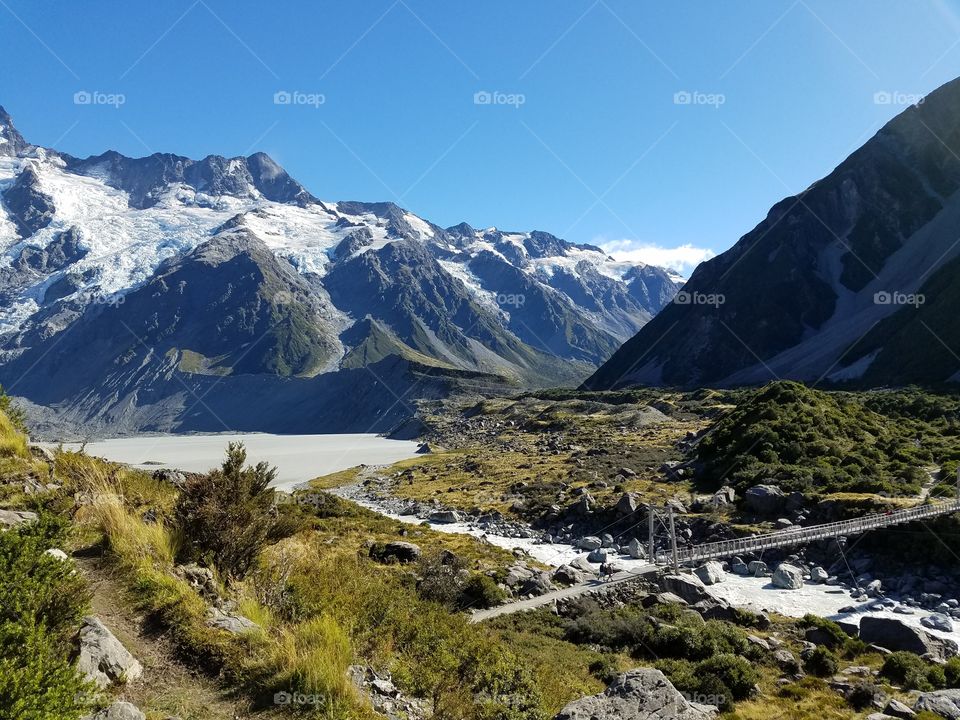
[640,694]
[119,711]
[893,634]
[945,703]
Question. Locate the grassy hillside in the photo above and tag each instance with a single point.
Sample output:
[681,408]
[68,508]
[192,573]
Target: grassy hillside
[813,441]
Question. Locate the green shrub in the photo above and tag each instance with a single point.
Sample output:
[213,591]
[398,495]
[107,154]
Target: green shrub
[36,588]
[835,636]
[736,673]
[605,668]
[228,516]
[862,695]
[37,682]
[912,672]
[821,662]
[480,591]
[951,672]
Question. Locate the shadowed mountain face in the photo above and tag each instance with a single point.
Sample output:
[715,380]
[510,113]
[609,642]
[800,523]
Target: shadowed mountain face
[129,286]
[853,280]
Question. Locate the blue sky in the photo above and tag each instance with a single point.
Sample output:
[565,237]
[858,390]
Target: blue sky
[662,130]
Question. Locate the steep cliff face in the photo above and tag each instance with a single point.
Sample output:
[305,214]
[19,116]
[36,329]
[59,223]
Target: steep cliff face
[831,284]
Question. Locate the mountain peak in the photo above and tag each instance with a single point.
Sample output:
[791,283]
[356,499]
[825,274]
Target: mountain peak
[12,143]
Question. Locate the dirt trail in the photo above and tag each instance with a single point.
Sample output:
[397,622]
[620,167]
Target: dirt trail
[167,688]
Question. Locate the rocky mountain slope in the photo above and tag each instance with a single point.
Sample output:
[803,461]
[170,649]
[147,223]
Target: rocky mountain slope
[853,280]
[168,293]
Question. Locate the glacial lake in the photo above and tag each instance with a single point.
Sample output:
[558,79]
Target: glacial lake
[298,458]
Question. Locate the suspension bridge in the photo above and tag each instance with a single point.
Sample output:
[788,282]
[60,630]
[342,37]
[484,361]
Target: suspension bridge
[677,556]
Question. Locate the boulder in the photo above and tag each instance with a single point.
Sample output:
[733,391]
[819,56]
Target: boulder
[819,575]
[710,573]
[566,575]
[739,567]
[937,622]
[788,577]
[765,499]
[606,540]
[897,709]
[172,477]
[635,550]
[102,659]
[43,453]
[583,565]
[724,496]
[403,552]
[786,660]
[600,555]
[641,694]
[628,504]
[688,587]
[445,517]
[538,584]
[235,624]
[894,634]
[56,554]
[13,518]
[119,711]
[664,598]
[589,543]
[945,703]
[757,568]
[782,524]
[201,579]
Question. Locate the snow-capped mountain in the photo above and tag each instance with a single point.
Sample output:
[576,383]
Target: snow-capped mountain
[852,281]
[124,280]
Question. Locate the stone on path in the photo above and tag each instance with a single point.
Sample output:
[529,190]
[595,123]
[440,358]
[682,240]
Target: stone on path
[102,658]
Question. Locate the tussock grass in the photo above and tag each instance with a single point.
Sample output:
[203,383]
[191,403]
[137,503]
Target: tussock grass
[13,443]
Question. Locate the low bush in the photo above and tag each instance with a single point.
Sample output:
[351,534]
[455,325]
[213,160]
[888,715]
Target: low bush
[912,672]
[822,662]
[37,681]
[951,672]
[480,591]
[42,600]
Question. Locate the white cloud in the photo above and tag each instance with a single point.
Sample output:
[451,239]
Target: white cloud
[682,258]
